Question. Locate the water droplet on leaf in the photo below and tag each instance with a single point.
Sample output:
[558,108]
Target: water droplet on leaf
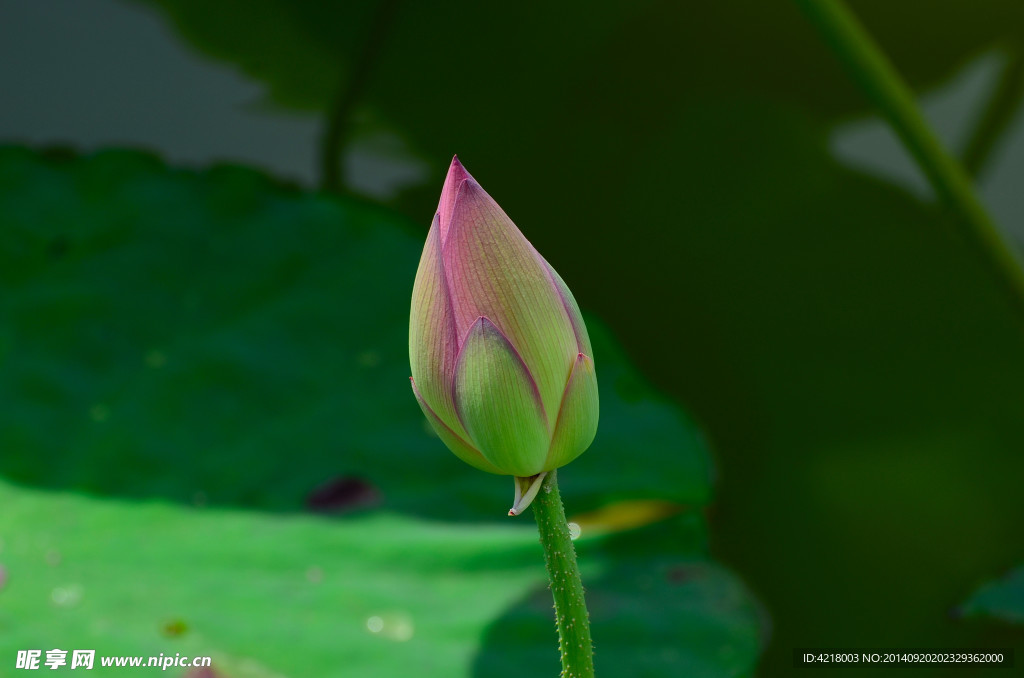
[66,596]
[395,626]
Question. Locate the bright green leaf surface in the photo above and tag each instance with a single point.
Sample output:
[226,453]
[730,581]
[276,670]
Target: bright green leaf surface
[378,596]
[295,596]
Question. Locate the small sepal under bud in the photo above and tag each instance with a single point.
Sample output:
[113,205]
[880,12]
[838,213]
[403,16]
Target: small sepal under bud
[526,490]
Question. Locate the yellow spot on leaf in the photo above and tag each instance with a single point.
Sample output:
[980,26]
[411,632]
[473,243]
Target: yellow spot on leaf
[626,515]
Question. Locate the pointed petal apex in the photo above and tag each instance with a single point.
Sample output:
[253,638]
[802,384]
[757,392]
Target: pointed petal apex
[457,169]
[526,491]
[452,440]
[457,175]
[577,419]
[497,402]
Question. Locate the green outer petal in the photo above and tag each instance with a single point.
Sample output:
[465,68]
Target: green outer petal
[457,445]
[577,419]
[493,271]
[497,400]
[433,345]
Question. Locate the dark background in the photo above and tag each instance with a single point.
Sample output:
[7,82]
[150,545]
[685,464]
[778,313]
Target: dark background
[710,184]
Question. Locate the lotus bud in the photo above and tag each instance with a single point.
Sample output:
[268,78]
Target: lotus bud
[501,361]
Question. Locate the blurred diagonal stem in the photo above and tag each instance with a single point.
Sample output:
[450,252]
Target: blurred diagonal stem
[339,118]
[571,617]
[999,112]
[873,72]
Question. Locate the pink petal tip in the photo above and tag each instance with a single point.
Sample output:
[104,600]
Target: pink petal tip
[457,174]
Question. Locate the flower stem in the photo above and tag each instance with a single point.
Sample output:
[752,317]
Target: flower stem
[998,114]
[357,79]
[571,617]
[880,81]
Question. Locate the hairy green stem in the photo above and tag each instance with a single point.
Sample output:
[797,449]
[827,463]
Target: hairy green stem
[882,84]
[571,617]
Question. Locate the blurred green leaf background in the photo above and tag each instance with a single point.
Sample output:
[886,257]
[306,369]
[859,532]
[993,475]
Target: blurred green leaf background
[203,342]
